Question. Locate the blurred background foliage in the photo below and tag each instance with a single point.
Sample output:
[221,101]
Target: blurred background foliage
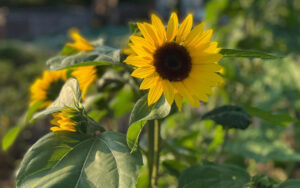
[269,151]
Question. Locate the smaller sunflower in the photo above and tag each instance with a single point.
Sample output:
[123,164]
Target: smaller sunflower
[79,43]
[47,87]
[64,121]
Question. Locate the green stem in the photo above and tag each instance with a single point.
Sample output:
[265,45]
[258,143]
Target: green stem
[150,132]
[153,152]
[156,152]
[223,145]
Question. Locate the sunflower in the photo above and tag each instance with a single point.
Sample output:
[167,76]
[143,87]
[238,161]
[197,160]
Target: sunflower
[179,61]
[47,87]
[63,120]
[79,43]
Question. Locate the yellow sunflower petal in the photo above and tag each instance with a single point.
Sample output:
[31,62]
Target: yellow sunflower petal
[206,58]
[211,67]
[168,91]
[80,43]
[192,36]
[148,33]
[148,82]
[184,28]
[200,86]
[62,121]
[155,92]
[138,61]
[172,27]
[54,129]
[153,33]
[127,51]
[159,26]
[143,72]
[140,51]
[199,94]
[202,39]
[212,48]
[85,75]
[211,79]
[139,41]
[178,101]
[183,91]
[196,101]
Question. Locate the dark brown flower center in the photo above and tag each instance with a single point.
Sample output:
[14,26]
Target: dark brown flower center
[172,62]
[54,89]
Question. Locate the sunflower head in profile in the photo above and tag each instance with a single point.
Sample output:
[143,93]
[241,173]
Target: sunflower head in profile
[179,61]
[65,120]
[47,87]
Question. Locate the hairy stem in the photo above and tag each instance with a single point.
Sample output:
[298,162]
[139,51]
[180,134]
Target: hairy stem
[223,144]
[153,153]
[150,161]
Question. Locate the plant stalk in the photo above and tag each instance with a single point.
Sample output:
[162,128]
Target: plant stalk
[153,152]
[226,137]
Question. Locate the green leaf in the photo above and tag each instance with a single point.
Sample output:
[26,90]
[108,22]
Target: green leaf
[32,109]
[68,50]
[69,96]
[229,117]
[275,119]
[68,159]
[141,110]
[247,54]
[141,113]
[133,134]
[11,136]
[290,183]
[101,55]
[214,176]
[122,102]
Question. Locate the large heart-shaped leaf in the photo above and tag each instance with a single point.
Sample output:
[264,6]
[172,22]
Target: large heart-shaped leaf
[69,96]
[101,55]
[141,113]
[75,160]
[214,176]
